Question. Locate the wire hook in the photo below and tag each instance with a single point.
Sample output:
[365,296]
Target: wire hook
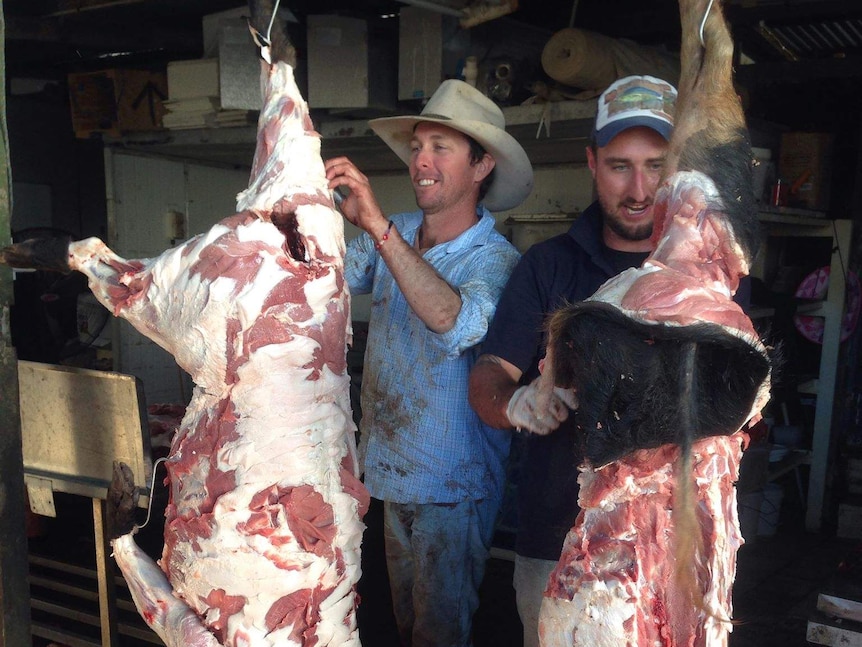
[150,504]
[703,22]
[262,41]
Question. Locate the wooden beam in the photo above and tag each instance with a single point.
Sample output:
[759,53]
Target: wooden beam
[14,590]
[66,7]
[101,34]
[751,11]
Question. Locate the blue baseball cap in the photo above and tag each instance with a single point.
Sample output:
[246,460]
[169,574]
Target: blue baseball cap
[635,101]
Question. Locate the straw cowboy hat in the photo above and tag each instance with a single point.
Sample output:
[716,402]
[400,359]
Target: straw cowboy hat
[462,107]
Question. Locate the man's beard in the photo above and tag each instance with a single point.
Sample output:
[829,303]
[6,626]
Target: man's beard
[622,229]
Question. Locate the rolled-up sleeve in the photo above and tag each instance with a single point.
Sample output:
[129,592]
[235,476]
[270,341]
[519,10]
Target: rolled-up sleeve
[483,275]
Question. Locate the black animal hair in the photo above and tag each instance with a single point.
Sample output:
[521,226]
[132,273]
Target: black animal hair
[628,378]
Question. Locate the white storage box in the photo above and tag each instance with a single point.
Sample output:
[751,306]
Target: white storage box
[345,69]
[420,53]
[192,79]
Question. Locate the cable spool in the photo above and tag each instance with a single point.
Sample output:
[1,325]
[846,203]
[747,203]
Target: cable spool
[579,58]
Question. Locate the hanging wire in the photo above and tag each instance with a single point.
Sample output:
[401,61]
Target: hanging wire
[844,269]
[703,22]
[150,504]
[272,20]
[574,11]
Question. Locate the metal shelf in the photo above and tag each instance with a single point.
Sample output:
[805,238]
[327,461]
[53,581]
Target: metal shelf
[779,223]
[551,133]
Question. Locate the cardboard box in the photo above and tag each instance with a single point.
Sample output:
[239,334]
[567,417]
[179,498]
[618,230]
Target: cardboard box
[805,167]
[239,68]
[214,23]
[116,101]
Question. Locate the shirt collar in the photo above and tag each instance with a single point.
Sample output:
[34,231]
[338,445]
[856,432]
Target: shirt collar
[477,235]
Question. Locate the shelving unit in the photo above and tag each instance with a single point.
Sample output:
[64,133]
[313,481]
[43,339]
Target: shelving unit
[781,224]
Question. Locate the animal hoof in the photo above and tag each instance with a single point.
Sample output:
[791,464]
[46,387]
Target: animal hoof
[122,501]
[39,254]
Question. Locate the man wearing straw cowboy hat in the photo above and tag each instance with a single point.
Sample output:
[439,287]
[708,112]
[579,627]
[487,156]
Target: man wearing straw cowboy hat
[435,276]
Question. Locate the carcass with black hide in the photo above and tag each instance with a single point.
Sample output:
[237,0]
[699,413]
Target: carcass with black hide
[263,527]
[668,369]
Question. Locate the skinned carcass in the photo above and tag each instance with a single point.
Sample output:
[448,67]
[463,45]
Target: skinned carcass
[263,527]
[668,370]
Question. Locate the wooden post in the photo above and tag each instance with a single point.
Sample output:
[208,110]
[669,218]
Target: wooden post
[105,576]
[14,589]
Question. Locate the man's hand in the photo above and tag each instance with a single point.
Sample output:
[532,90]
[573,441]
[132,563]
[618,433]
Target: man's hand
[360,207]
[540,409]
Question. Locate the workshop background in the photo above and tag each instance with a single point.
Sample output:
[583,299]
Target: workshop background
[107,99]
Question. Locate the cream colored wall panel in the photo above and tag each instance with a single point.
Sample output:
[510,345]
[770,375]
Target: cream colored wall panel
[144,189]
[212,195]
[557,189]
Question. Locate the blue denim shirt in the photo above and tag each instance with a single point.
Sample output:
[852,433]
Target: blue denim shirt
[421,442]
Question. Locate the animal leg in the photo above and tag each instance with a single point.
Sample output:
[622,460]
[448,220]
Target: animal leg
[710,134]
[122,501]
[708,105]
[262,22]
[171,618]
[174,622]
[39,254]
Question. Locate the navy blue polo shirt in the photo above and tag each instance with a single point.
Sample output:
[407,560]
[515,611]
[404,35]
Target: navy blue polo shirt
[563,269]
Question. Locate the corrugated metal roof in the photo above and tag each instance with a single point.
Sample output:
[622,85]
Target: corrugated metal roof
[813,39]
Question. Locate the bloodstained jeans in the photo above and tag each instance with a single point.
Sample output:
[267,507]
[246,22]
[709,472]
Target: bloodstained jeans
[436,555]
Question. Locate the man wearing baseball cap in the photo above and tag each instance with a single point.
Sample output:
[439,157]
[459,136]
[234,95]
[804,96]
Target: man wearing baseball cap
[435,276]
[626,155]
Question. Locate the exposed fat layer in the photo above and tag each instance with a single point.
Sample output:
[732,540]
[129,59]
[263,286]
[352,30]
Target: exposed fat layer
[263,528]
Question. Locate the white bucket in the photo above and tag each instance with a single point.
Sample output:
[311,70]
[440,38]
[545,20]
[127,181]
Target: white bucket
[770,509]
[748,509]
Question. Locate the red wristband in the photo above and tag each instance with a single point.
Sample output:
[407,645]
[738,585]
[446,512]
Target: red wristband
[378,245]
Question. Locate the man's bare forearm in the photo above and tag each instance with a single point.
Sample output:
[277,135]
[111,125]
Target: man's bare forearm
[492,382]
[433,300]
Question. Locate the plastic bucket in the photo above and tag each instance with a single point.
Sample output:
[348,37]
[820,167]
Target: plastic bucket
[770,508]
[748,508]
